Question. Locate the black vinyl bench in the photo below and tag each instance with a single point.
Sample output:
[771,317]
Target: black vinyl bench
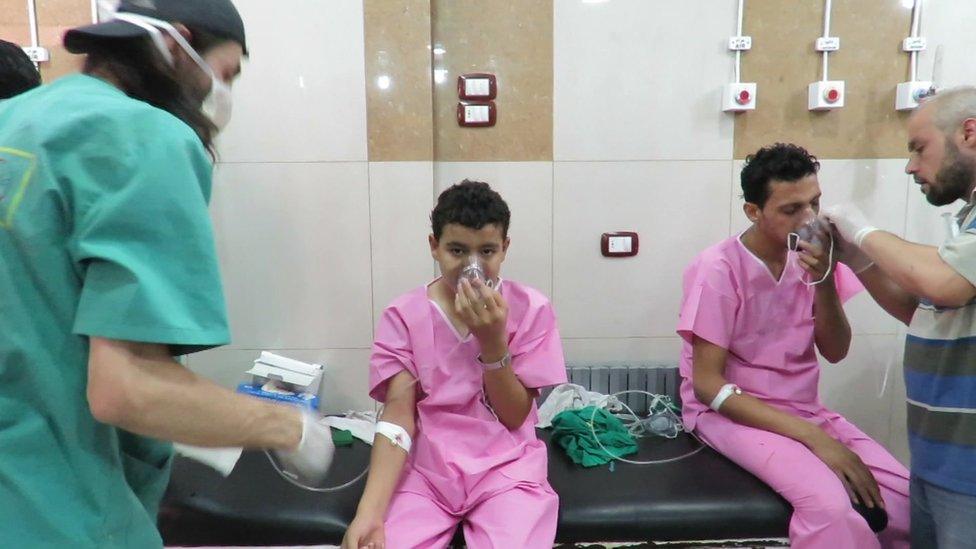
[701,498]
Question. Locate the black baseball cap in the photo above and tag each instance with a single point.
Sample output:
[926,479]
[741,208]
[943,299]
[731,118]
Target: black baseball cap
[218,17]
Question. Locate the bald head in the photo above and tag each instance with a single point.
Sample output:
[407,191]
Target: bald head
[950,108]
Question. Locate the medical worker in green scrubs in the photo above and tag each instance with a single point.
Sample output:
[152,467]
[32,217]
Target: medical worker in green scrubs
[108,270]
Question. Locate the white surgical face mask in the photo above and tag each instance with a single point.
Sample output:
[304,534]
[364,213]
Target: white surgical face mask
[218,104]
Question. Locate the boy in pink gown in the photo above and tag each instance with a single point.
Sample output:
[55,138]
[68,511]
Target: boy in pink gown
[458,363]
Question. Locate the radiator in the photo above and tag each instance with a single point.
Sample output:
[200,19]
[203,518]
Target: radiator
[657,378]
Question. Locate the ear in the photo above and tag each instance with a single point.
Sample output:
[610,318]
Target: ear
[752,211]
[175,49]
[508,241]
[432,240]
[969,133]
[185,32]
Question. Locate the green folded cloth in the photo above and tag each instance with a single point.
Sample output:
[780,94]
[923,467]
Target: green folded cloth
[341,437]
[571,430]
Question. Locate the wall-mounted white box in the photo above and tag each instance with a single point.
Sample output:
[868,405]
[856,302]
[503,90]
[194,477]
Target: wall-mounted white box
[909,94]
[825,95]
[739,96]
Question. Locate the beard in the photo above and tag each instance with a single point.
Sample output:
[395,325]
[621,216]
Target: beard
[954,178]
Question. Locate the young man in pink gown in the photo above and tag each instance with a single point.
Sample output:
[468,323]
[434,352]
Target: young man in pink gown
[753,317]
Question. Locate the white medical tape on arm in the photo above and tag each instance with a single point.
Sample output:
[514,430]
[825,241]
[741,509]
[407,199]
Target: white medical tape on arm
[724,393]
[398,435]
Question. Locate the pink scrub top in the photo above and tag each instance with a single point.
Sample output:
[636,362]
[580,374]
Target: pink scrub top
[732,300]
[460,446]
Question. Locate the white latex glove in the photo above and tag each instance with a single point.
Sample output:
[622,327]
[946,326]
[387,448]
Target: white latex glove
[850,222]
[849,254]
[309,463]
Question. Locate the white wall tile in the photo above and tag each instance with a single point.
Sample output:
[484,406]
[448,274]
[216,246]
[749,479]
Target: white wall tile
[867,317]
[293,240]
[876,186]
[401,197]
[852,386]
[948,24]
[302,92]
[639,80]
[738,221]
[643,349]
[677,208]
[527,188]
[344,381]
[925,223]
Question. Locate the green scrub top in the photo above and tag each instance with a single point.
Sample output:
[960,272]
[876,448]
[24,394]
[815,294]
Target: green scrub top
[104,231]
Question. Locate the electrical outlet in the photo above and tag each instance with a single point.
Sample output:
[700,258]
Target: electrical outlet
[476,114]
[619,244]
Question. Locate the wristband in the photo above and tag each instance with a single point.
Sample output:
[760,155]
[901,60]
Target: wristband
[398,435]
[724,393]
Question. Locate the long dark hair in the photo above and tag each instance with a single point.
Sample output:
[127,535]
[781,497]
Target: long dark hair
[142,73]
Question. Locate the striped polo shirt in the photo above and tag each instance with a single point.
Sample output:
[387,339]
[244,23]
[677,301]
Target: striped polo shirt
[940,376]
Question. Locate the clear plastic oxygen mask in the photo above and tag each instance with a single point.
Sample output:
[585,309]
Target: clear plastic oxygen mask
[474,270]
[810,232]
[813,231]
[662,419]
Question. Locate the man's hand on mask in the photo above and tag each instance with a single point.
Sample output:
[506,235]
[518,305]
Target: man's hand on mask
[485,312]
[850,222]
[815,258]
[847,253]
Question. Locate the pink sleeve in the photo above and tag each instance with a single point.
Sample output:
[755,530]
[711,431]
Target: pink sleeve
[537,350]
[846,282]
[709,305]
[392,353]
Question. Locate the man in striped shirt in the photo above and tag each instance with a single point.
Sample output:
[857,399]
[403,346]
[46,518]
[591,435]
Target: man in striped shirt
[932,290]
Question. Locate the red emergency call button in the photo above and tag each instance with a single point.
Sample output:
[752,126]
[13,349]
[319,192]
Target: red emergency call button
[743,97]
[832,95]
